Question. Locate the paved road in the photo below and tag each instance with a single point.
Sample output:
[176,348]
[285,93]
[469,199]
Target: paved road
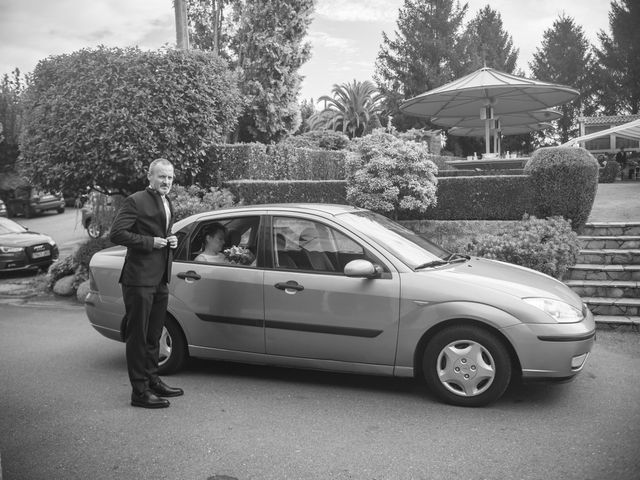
[64,414]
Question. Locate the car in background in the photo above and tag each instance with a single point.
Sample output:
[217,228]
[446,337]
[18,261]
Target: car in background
[3,209]
[22,249]
[96,213]
[28,201]
[340,288]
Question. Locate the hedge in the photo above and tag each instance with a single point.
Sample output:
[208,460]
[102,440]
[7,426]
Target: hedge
[254,192]
[257,161]
[564,183]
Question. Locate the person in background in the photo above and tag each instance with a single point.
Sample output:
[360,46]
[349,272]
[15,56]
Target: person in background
[621,158]
[143,225]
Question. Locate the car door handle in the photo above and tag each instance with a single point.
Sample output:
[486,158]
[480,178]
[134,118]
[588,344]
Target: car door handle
[290,285]
[189,276]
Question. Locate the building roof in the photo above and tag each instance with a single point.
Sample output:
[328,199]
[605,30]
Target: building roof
[608,120]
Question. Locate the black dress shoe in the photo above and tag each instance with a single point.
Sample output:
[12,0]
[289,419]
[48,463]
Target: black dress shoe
[163,390]
[148,400]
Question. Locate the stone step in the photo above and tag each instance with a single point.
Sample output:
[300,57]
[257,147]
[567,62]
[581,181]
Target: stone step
[589,271]
[611,229]
[623,307]
[615,320]
[610,242]
[605,288]
[608,256]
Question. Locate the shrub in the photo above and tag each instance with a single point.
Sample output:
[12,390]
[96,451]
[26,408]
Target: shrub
[193,199]
[549,246]
[323,139]
[254,192]
[389,175]
[61,268]
[564,182]
[506,197]
[83,254]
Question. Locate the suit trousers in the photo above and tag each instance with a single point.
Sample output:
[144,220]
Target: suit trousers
[146,309]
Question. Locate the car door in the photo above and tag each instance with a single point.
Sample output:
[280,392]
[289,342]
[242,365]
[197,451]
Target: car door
[220,305]
[312,310]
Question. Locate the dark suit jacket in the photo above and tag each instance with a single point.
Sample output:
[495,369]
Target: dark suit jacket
[142,217]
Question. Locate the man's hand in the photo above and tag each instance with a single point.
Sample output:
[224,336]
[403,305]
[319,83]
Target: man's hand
[173,241]
[159,242]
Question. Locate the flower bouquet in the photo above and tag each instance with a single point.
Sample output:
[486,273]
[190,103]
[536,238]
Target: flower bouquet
[239,255]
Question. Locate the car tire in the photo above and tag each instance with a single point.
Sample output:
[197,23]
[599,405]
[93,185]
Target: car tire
[466,365]
[60,210]
[28,211]
[94,230]
[173,348]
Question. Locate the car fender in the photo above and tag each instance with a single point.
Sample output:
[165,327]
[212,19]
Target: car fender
[419,320]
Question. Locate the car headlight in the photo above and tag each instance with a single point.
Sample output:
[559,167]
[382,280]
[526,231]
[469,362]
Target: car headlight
[10,249]
[561,312]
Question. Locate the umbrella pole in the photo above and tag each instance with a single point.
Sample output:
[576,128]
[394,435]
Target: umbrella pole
[487,136]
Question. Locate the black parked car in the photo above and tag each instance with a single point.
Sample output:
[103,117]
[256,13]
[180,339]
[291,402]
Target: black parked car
[28,201]
[22,249]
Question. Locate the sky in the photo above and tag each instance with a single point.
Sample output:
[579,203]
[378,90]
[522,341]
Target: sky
[345,35]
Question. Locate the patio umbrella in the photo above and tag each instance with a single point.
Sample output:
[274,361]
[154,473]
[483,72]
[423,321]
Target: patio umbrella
[508,120]
[485,94]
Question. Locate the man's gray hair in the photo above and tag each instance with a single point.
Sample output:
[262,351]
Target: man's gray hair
[159,161]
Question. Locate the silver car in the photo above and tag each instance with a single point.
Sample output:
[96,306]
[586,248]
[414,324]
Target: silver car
[339,288]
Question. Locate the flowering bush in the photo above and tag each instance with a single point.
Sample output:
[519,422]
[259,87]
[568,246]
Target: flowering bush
[194,199]
[389,175]
[239,255]
[61,268]
[549,246]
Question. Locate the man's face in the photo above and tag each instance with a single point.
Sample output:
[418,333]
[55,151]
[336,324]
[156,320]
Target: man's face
[161,178]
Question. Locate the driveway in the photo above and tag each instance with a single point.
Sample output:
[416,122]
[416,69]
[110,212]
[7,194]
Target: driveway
[617,202]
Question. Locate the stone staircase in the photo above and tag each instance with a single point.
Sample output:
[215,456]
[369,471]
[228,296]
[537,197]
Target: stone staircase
[607,274]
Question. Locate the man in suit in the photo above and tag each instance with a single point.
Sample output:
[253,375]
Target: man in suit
[143,225]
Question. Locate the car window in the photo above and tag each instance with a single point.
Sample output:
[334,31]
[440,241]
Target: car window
[239,244]
[303,244]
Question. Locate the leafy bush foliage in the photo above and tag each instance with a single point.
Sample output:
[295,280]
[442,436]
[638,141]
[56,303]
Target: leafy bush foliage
[322,139]
[253,192]
[193,199]
[256,161]
[62,267]
[564,182]
[549,246]
[389,175]
[98,117]
[85,252]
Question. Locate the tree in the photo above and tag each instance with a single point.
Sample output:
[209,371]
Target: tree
[485,43]
[565,58]
[618,56]
[98,117]
[424,54]
[208,25]
[270,48]
[11,89]
[353,109]
[389,175]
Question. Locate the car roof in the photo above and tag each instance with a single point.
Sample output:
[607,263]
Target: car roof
[325,209]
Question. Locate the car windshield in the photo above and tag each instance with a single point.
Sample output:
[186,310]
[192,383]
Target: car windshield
[9,226]
[406,245]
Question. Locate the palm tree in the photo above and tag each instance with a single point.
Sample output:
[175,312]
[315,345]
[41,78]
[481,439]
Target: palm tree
[354,109]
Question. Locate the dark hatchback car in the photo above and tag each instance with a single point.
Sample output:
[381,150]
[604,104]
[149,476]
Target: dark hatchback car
[21,249]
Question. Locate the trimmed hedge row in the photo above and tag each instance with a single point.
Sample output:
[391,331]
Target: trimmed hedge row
[270,162]
[467,198]
[285,191]
[478,173]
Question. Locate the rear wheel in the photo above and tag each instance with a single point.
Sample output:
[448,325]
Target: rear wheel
[467,366]
[94,230]
[173,348]
[60,210]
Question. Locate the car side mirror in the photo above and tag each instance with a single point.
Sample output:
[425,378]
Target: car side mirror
[362,269]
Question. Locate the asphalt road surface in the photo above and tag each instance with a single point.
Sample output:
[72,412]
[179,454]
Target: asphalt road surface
[65,414]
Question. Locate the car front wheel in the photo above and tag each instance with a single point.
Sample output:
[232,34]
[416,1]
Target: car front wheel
[173,348]
[94,230]
[466,366]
